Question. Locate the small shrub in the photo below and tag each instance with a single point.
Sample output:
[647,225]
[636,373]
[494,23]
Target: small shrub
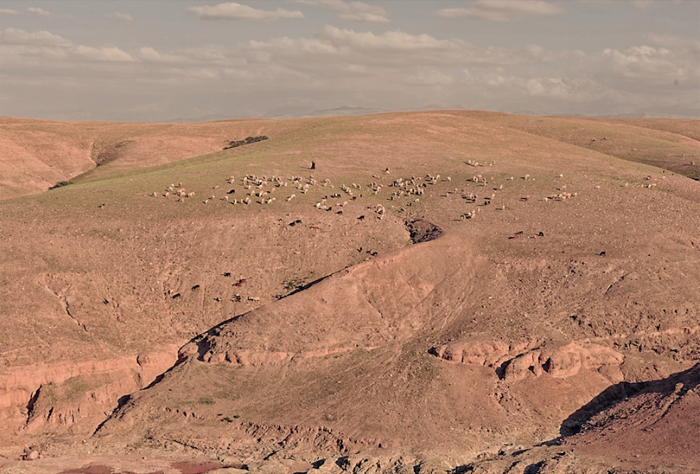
[247,141]
[206,401]
[293,284]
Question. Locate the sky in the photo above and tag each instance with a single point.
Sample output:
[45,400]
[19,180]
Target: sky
[175,60]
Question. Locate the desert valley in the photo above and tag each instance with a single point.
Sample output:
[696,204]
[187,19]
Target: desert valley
[416,292]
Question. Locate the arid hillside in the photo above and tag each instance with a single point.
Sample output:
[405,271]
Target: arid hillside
[443,292]
[38,154]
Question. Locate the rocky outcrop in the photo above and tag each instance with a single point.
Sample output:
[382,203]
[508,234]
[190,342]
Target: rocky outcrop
[516,361]
[423,231]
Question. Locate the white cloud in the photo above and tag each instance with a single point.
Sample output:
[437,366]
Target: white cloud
[669,41]
[121,16]
[429,77]
[38,11]
[295,46]
[389,40]
[548,86]
[236,11]
[21,45]
[501,10]
[364,68]
[352,11]
[147,53]
[109,54]
[7,11]
[40,38]
[651,65]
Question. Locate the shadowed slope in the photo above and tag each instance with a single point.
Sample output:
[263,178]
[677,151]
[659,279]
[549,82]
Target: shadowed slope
[651,423]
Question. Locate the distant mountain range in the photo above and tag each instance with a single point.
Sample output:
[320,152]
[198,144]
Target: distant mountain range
[301,111]
[346,111]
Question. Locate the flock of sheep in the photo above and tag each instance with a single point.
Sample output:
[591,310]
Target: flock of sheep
[265,190]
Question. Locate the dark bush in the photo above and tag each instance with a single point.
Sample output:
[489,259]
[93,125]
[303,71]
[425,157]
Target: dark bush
[247,141]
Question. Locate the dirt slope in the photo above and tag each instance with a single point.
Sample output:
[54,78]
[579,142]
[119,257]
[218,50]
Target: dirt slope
[312,330]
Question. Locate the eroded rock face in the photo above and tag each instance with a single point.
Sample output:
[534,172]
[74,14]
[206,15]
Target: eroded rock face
[44,398]
[423,231]
[568,360]
[515,361]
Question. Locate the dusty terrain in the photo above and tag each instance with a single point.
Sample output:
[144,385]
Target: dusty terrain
[445,292]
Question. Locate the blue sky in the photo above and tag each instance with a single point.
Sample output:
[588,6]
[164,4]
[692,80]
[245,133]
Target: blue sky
[168,60]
